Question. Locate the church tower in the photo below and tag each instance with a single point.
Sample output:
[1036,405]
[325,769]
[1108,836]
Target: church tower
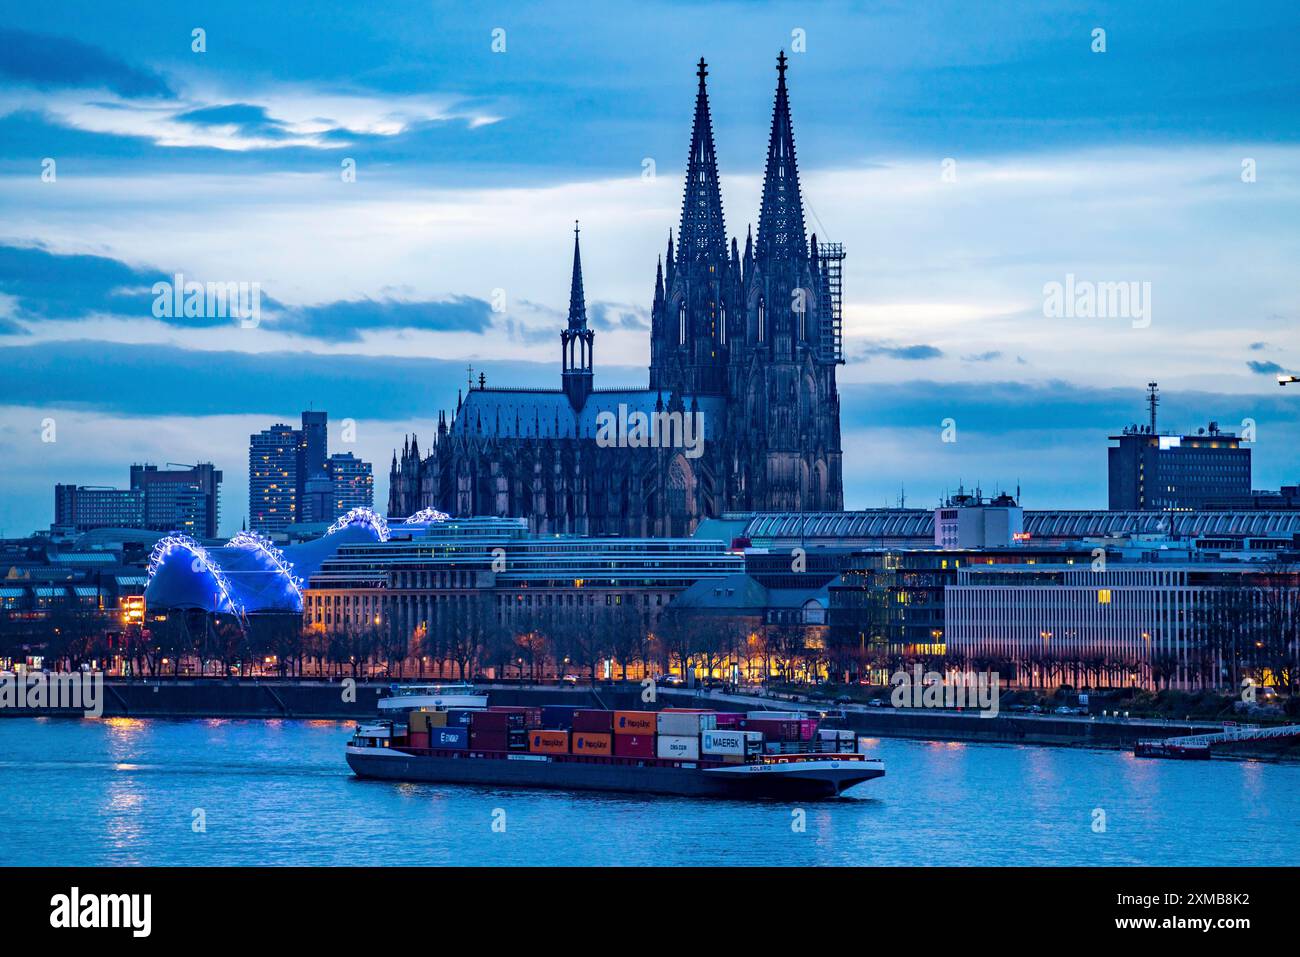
[688,349]
[783,410]
[576,338]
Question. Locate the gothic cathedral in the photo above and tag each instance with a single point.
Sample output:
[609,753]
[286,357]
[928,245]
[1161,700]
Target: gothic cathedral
[745,345]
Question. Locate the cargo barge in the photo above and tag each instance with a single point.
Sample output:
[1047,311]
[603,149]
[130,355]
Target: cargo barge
[448,734]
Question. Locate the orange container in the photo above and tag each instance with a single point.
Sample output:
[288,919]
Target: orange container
[634,722]
[589,742]
[548,742]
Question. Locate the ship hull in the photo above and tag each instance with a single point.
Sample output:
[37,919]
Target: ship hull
[811,781]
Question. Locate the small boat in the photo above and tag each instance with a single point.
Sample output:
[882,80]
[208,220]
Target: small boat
[1160,748]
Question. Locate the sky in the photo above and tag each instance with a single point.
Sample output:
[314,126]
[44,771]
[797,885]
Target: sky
[401,181]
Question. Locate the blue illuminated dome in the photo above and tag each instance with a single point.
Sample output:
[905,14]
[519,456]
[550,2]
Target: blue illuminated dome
[249,574]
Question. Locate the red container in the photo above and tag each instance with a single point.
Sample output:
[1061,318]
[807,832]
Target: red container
[634,745]
[774,730]
[490,740]
[593,720]
[807,729]
[730,719]
[496,720]
[418,739]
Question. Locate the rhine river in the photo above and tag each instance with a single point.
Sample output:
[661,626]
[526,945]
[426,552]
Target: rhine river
[131,792]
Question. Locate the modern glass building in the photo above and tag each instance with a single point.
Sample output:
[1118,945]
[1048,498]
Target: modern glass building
[273,478]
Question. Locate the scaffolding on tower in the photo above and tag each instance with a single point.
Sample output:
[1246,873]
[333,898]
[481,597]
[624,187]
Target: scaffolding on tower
[832,304]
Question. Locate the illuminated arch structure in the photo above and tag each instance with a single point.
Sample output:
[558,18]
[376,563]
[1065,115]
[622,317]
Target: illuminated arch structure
[365,517]
[249,574]
[427,516]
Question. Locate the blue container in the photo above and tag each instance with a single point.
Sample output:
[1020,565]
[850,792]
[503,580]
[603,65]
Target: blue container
[449,737]
[458,718]
[558,716]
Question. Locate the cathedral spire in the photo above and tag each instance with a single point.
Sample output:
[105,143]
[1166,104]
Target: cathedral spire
[780,221]
[702,234]
[659,282]
[577,303]
[576,339]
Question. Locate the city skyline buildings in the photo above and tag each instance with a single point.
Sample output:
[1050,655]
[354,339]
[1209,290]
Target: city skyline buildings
[292,478]
[185,499]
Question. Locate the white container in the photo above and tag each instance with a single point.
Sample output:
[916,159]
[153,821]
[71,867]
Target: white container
[829,734]
[729,742]
[675,747]
[684,724]
[776,715]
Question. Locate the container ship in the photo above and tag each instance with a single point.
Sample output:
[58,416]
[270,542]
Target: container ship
[451,734]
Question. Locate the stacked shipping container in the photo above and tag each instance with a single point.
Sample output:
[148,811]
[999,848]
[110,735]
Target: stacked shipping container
[673,734]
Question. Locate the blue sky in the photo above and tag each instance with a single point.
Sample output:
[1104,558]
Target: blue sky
[1124,165]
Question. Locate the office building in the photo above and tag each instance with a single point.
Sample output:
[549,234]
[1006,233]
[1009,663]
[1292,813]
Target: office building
[352,483]
[1163,471]
[186,499]
[1144,624]
[79,508]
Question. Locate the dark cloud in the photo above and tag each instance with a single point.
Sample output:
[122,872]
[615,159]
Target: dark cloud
[346,319]
[609,316]
[1258,346]
[49,286]
[996,409]
[50,62]
[982,357]
[913,353]
[144,380]
[1264,368]
[247,118]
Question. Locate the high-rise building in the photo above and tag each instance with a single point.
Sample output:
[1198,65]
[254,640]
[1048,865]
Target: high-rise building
[293,478]
[1163,471]
[317,501]
[184,499]
[273,478]
[313,448]
[352,483]
[79,508]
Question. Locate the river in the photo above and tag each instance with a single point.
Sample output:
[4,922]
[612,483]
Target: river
[247,792]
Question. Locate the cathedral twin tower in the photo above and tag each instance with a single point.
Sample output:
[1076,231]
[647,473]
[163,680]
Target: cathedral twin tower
[746,346]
